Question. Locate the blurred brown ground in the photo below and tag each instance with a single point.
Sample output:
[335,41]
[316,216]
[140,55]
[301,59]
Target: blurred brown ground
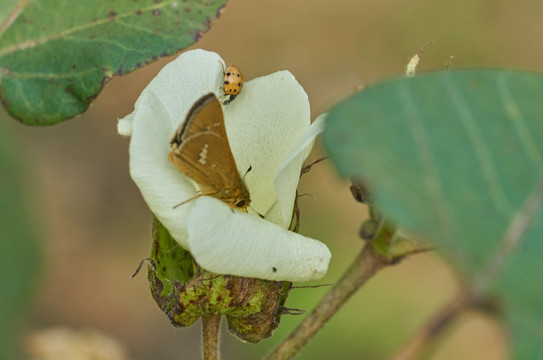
[96,227]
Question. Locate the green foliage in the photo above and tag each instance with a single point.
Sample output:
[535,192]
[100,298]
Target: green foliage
[19,255]
[454,157]
[55,56]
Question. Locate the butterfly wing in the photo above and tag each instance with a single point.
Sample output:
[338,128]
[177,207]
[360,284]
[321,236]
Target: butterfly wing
[201,151]
[205,115]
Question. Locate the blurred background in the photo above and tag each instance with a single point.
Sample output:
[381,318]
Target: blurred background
[89,228]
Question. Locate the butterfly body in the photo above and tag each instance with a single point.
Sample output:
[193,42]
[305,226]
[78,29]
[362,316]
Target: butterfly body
[201,151]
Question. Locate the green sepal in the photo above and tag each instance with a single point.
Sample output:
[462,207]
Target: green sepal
[184,292]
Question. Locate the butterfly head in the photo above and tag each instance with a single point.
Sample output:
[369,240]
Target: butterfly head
[238,198]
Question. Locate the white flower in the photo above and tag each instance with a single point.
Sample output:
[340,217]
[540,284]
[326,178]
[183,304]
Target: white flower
[268,127]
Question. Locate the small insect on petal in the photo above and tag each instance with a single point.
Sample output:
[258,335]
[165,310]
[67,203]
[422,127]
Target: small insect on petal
[233,83]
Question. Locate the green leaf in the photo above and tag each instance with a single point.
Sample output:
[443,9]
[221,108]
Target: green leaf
[19,254]
[55,56]
[453,157]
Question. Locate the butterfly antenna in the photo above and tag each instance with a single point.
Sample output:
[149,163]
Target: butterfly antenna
[259,214]
[194,197]
[248,170]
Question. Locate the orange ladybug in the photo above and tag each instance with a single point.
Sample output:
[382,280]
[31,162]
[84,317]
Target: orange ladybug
[233,83]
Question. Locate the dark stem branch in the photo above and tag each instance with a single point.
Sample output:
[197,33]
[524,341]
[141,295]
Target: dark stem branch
[432,329]
[374,256]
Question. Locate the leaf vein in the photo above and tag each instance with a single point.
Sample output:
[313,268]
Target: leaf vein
[23,96]
[98,40]
[482,153]
[17,10]
[36,75]
[519,124]
[36,42]
[432,186]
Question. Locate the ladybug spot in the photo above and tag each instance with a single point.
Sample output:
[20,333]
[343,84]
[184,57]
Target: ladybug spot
[228,74]
[234,91]
[239,84]
[226,82]
[238,75]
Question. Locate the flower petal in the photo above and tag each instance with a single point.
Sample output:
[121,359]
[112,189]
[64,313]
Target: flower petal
[263,124]
[124,125]
[161,184]
[288,175]
[183,81]
[160,109]
[232,242]
[266,126]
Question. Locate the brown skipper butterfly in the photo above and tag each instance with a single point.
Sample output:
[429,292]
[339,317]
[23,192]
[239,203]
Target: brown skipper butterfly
[201,151]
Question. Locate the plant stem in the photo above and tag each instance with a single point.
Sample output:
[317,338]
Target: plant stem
[367,264]
[210,336]
[432,329]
